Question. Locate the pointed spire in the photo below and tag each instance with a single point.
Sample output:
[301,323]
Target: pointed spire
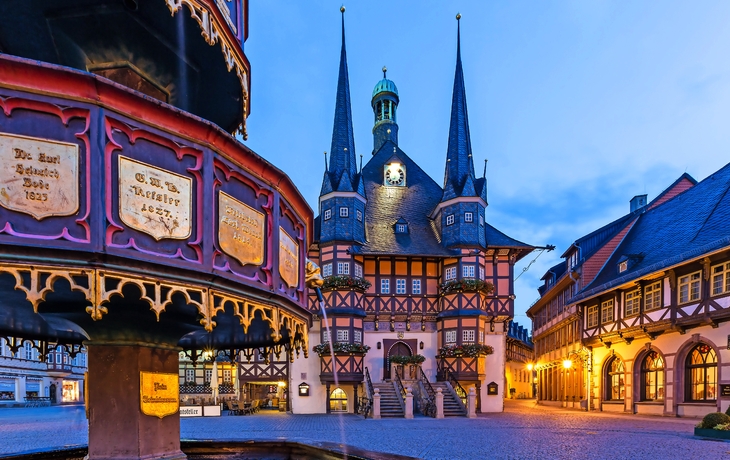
[459,164]
[342,152]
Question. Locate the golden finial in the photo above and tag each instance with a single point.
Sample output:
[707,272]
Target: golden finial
[342,9]
[458,15]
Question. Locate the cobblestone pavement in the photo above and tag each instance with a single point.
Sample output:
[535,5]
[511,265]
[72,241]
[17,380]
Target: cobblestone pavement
[523,431]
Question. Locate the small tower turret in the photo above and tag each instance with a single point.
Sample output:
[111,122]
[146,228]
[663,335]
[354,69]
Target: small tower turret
[385,103]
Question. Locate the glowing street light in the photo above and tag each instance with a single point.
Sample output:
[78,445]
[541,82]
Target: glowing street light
[530,366]
[567,364]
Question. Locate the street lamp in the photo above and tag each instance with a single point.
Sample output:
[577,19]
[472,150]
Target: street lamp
[567,364]
[530,367]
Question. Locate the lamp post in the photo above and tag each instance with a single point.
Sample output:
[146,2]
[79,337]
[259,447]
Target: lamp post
[533,379]
[567,364]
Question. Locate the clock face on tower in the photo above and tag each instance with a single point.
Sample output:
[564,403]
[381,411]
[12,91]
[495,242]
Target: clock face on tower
[395,175]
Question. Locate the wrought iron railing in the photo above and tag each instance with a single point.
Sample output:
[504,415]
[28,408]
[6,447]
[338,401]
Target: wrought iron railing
[399,385]
[430,407]
[460,391]
[366,401]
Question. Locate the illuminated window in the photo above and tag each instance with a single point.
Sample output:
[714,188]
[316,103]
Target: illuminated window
[721,279]
[327,214]
[468,217]
[615,390]
[653,296]
[450,219]
[631,306]
[689,287]
[400,286]
[592,316]
[701,378]
[385,286]
[450,336]
[607,311]
[416,287]
[652,377]
[338,401]
[450,273]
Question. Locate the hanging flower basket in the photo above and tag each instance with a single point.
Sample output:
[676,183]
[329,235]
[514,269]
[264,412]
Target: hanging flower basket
[415,359]
[466,285]
[332,283]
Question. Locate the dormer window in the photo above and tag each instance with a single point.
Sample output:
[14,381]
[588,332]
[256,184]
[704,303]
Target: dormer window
[401,226]
[344,212]
[623,266]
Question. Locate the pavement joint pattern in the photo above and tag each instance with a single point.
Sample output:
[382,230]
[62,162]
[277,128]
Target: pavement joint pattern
[523,431]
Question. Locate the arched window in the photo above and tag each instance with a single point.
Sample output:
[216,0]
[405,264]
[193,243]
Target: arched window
[701,377]
[615,380]
[652,377]
[338,400]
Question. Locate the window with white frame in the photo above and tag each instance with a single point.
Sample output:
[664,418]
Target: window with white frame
[631,303]
[467,336]
[327,270]
[227,376]
[358,271]
[385,286]
[344,211]
[481,272]
[327,214]
[208,375]
[623,266]
[450,219]
[190,375]
[468,217]
[400,286]
[58,357]
[653,296]
[592,316]
[689,287]
[481,335]
[416,287]
[401,228]
[343,335]
[450,273]
[326,336]
[82,360]
[607,311]
[343,268]
[467,271]
[28,350]
[358,336]
[451,336]
[481,220]
[721,279]
[359,215]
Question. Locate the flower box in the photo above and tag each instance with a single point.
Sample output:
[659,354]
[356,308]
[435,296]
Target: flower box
[710,433]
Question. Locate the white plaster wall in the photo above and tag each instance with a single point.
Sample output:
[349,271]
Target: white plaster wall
[315,402]
[494,365]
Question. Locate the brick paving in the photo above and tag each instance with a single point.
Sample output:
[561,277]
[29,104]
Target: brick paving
[523,431]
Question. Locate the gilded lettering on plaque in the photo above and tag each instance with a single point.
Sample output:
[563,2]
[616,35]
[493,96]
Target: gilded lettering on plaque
[154,200]
[240,230]
[288,259]
[159,394]
[39,177]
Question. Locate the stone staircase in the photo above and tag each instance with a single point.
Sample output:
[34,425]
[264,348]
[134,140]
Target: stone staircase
[390,401]
[452,405]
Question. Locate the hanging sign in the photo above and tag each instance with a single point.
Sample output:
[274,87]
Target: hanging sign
[240,230]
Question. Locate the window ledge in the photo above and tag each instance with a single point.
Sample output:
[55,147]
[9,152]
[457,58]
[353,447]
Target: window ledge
[650,403]
[617,402]
[697,403]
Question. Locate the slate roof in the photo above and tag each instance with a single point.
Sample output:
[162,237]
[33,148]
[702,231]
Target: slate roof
[413,203]
[687,226]
[495,238]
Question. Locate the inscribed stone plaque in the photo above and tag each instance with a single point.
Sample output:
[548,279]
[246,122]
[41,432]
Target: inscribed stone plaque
[288,259]
[155,201]
[159,395]
[39,177]
[240,230]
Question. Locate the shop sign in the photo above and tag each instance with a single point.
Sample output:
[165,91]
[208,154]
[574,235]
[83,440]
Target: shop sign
[154,200]
[240,230]
[39,177]
[191,411]
[159,394]
[725,390]
[288,259]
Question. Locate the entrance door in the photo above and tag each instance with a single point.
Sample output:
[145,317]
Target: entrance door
[399,348]
[52,390]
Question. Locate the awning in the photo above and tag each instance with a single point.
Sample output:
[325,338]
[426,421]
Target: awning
[7,385]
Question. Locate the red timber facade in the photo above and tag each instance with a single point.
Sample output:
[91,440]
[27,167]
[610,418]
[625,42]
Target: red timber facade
[410,268]
[646,332]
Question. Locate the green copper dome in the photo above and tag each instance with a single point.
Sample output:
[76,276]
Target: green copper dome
[385,86]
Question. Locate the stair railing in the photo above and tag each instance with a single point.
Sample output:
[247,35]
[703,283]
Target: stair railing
[430,407]
[400,387]
[460,391]
[366,401]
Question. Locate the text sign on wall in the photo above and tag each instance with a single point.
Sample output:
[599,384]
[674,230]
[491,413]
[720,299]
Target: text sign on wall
[39,177]
[240,230]
[154,201]
[725,390]
[191,411]
[159,394]
[288,259]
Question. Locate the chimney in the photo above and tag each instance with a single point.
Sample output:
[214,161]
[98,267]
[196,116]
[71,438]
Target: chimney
[637,202]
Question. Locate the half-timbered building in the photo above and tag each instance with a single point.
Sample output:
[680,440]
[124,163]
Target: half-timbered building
[410,267]
[643,328]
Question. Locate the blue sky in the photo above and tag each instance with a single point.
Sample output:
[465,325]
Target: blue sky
[577,105]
